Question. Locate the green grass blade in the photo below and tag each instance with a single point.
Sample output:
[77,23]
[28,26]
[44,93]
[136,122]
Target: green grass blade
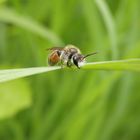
[110,25]
[10,16]
[7,75]
[129,65]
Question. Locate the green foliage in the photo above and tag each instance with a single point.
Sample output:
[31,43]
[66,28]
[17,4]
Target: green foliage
[13,99]
[70,104]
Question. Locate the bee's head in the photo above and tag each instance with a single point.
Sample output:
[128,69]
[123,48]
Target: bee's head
[79,59]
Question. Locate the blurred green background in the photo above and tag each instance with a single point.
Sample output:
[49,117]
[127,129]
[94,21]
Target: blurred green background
[69,104]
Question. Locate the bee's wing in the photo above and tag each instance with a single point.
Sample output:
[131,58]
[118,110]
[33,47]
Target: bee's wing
[55,48]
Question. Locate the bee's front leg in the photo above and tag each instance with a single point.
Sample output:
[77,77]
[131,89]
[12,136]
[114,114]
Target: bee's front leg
[69,64]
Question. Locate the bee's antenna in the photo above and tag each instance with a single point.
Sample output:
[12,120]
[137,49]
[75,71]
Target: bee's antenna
[90,54]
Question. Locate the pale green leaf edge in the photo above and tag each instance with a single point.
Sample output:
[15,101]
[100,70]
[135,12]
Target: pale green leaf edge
[123,65]
[11,74]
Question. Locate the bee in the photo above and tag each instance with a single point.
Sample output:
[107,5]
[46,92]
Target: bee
[68,56]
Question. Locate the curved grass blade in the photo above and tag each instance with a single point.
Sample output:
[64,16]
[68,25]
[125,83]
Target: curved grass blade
[11,74]
[10,16]
[127,65]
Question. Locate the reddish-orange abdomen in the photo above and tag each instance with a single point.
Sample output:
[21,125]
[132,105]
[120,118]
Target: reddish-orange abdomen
[53,58]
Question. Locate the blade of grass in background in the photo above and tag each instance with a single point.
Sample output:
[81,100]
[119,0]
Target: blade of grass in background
[10,16]
[110,24]
[93,22]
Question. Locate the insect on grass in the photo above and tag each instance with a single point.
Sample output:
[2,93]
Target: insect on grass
[68,56]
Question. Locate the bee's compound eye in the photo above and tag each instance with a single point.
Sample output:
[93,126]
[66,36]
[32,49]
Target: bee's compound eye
[75,60]
[78,60]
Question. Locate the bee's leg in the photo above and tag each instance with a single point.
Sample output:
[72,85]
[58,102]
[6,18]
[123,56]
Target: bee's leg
[61,64]
[69,64]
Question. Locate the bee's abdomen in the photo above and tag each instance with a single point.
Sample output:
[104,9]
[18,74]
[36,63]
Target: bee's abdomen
[53,59]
